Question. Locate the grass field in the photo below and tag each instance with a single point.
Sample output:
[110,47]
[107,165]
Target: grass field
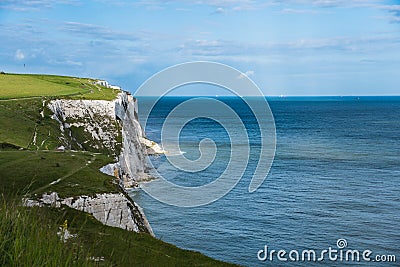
[14,86]
[27,172]
[20,119]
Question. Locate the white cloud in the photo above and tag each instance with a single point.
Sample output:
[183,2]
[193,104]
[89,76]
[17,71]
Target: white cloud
[246,74]
[332,3]
[219,10]
[299,11]
[19,55]
[29,5]
[96,31]
[249,73]
[73,63]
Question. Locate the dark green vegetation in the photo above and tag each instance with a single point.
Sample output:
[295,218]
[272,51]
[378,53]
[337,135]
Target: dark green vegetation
[30,166]
[27,124]
[29,238]
[20,119]
[72,173]
[25,119]
[32,85]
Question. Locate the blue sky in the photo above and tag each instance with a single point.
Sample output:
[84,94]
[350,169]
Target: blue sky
[292,47]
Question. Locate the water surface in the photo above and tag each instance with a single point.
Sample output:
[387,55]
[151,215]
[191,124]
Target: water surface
[336,174]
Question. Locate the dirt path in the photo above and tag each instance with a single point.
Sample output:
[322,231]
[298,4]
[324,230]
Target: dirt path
[65,176]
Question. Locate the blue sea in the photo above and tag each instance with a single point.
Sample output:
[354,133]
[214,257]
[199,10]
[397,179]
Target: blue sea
[335,175]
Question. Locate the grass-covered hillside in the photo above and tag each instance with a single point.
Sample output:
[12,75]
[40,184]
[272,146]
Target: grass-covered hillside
[30,166]
[20,119]
[67,173]
[14,86]
[25,119]
[28,237]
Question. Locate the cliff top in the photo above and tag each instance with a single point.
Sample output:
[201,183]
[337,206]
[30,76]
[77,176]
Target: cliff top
[25,119]
[15,86]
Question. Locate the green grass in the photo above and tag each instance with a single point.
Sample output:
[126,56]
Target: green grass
[19,119]
[16,125]
[14,86]
[28,237]
[123,248]
[24,96]
[28,172]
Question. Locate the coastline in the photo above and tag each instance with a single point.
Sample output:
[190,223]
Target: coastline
[63,142]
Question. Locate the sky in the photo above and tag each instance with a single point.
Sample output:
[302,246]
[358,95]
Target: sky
[292,47]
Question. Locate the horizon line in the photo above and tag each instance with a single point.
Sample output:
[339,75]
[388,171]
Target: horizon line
[277,96]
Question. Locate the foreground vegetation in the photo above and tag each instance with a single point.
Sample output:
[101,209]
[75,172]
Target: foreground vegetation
[30,166]
[28,237]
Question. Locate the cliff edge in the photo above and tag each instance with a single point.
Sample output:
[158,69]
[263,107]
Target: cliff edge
[108,127]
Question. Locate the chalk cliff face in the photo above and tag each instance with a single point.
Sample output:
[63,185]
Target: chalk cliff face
[105,126]
[110,127]
[132,161]
[87,124]
[113,209]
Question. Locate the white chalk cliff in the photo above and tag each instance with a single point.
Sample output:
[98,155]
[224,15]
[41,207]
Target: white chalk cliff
[95,117]
[133,158]
[112,209]
[110,127]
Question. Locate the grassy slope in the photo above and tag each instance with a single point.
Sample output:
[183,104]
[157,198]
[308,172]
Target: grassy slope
[30,172]
[31,85]
[20,118]
[123,248]
[22,233]
[24,172]
[22,98]
[24,230]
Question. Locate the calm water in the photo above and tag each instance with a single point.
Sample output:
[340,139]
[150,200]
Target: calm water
[336,174]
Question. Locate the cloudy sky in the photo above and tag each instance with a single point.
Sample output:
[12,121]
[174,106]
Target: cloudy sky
[292,47]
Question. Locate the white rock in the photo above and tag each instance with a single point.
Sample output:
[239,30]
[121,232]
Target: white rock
[112,209]
[96,117]
[99,119]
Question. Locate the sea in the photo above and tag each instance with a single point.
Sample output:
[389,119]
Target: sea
[334,184]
